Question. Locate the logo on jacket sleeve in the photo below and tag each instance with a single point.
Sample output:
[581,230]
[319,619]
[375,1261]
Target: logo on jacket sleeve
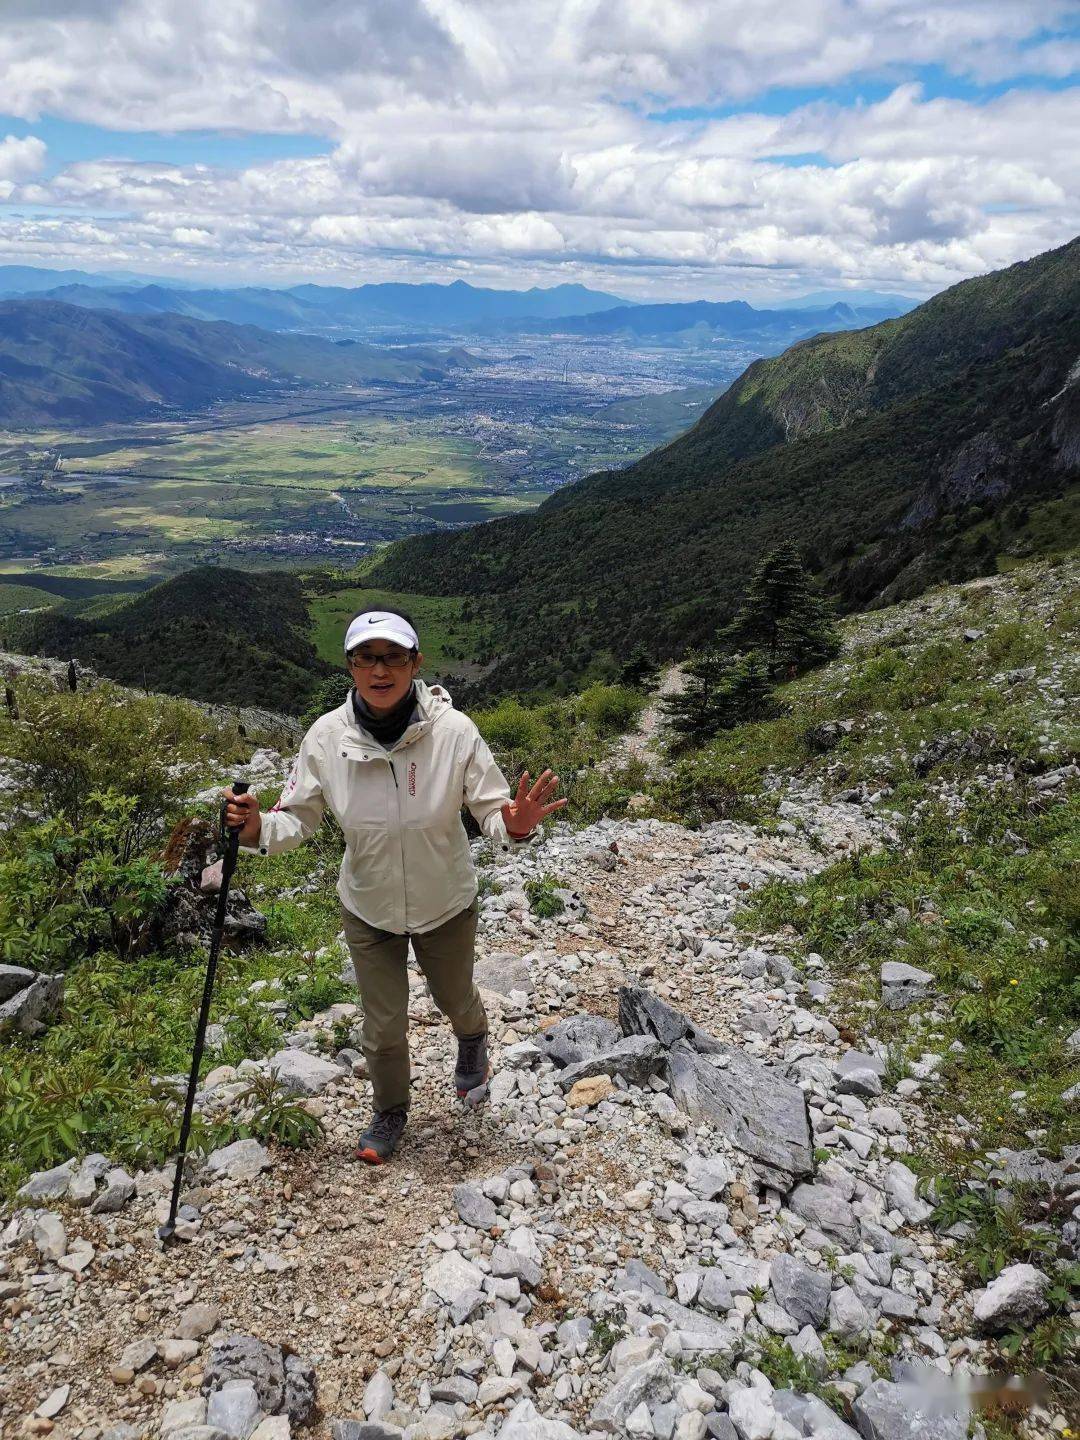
[412,778]
[290,787]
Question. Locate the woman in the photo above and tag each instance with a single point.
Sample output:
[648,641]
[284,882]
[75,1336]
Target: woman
[394,764]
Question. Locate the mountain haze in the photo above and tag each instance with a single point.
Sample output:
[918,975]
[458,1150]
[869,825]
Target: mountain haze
[62,364]
[702,319]
[330,308]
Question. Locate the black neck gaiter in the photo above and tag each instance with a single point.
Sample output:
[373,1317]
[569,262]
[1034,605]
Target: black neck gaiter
[390,726]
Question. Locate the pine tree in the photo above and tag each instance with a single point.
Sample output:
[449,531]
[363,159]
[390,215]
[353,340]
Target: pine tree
[746,692]
[694,714]
[783,617]
[638,670]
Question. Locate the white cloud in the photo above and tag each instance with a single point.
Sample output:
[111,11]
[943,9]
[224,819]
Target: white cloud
[511,140]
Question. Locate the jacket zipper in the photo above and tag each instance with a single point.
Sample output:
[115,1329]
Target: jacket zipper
[401,841]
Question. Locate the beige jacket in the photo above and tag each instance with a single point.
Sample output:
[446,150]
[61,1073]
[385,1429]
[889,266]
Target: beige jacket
[407,865]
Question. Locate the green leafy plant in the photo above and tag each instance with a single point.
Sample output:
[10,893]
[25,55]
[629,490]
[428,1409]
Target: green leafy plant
[1000,1233]
[608,1331]
[543,900]
[1055,1338]
[312,993]
[775,1359]
[277,1115]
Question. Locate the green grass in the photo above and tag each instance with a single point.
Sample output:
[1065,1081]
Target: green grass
[126,1020]
[312,454]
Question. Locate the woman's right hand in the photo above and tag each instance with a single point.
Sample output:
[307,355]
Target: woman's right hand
[243,811]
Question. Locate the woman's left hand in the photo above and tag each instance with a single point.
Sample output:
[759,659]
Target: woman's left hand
[529,806]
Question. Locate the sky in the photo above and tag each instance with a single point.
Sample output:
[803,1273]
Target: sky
[659,149]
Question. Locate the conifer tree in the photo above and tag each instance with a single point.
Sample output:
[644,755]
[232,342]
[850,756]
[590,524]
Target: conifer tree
[638,670]
[694,714]
[783,616]
[746,692]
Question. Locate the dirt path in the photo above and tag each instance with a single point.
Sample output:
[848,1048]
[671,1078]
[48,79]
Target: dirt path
[643,743]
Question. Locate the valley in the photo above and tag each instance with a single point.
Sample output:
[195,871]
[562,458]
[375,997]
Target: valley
[325,473]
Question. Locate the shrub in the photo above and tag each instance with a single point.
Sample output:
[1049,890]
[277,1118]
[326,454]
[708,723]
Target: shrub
[277,1115]
[543,900]
[106,740]
[65,891]
[515,730]
[609,709]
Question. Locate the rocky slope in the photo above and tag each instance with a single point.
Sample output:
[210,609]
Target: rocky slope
[684,1210]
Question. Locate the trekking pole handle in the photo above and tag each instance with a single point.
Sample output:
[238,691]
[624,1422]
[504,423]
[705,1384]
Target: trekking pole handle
[230,832]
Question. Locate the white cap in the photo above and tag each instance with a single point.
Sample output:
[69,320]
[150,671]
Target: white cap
[381,625]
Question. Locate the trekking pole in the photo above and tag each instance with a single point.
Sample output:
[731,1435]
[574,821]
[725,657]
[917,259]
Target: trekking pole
[230,838]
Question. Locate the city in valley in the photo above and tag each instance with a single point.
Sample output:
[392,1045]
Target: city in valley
[323,474]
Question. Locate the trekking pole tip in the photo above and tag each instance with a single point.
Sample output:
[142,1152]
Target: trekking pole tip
[166,1233]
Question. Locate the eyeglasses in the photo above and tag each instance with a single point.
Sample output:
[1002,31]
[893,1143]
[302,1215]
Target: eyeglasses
[367,659]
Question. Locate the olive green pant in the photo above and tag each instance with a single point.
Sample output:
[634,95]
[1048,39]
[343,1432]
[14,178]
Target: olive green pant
[380,958]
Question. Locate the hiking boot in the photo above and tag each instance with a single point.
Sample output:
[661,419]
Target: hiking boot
[472,1067]
[383,1136]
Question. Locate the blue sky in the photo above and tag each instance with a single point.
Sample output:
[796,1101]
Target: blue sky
[71,140]
[716,149]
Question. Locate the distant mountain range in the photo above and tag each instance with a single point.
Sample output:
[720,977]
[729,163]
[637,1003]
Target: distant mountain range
[318,308]
[397,310]
[704,320]
[64,364]
[34,279]
[857,299]
[913,451]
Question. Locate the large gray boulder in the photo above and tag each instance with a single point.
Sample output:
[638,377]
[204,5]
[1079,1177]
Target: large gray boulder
[578,1037]
[757,1109]
[474,1208]
[119,1189]
[283,1384]
[234,1409]
[650,1384]
[903,985]
[302,1073]
[901,1189]
[635,1059]
[46,1185]
[242,1160]
[827,1210]
[887,1411]
[526,1423]
[452,1276]
[14,978]
[503,971]
[29,1010]
[801,1291]
[643,1013]
[1017,1297]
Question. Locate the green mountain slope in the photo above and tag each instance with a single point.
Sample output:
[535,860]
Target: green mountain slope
[914,451]
[62,364]
[211,634]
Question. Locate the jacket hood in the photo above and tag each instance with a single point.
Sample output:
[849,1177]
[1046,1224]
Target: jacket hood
[432,700]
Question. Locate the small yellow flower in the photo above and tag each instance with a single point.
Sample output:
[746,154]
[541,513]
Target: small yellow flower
[1014,982]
